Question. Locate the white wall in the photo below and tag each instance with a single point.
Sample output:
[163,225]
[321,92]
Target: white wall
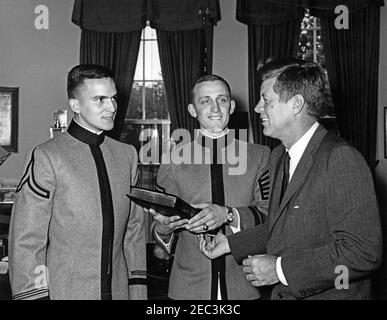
[231,53]
[36,61]
[230,57]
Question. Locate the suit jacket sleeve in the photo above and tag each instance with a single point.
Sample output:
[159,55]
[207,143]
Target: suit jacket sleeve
[353,219]
[248,242]
[31,214]
[256,213]
[135,242]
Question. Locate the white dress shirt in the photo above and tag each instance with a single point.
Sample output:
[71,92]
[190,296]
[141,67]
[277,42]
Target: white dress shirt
[295,153]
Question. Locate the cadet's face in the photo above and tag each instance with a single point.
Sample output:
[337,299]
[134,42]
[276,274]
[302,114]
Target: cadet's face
[276,116]
[212,105]
[95,104]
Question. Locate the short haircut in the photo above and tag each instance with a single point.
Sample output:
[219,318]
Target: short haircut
[85,71]
[206,78]
[295,76]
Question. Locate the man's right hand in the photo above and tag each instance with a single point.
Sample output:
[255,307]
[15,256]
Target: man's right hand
[214,247]
[165,226]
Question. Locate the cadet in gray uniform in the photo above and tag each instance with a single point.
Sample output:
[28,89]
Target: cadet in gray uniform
[74,234]
[238,198]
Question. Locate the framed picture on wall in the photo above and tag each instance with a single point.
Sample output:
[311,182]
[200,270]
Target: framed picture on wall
[9,98]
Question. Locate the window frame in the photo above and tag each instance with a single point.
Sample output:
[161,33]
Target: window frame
[144,122]
[143,82]
[330,119]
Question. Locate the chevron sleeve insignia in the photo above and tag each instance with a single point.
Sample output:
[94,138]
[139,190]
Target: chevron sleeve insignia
[264,185]
[29,179]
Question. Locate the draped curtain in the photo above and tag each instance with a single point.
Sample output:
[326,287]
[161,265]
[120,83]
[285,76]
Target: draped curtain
[111,34]
[352,58]
[184,57]
[273,32]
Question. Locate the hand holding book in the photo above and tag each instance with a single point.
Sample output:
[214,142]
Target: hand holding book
[166,204]
[166,226]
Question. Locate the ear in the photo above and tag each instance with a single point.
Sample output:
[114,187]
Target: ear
[232,106]
[192,111]
[74,105]
[298,103]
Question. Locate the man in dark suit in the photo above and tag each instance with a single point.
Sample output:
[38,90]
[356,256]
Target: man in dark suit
[322,239]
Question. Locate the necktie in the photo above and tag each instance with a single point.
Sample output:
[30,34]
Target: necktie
[285,175]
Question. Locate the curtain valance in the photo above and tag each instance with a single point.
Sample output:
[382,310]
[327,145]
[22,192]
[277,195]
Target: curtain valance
[131,15]
[270,12]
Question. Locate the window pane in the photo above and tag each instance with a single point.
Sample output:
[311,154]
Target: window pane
[307,21]
[320,52]
[154,135]
[139,75]
[305,45]
[311,26]
[318,23]
[152,66]
[135,104]
[130,134]
[148,99]
[150,33]
[155,100]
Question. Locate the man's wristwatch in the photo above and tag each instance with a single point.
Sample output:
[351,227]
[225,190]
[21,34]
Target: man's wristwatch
[230,215]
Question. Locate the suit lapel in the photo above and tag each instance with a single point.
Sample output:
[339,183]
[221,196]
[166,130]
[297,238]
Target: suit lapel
[276,188]
[298,178]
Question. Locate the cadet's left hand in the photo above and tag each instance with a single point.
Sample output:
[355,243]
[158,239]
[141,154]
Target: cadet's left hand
[213,246]
[211,217]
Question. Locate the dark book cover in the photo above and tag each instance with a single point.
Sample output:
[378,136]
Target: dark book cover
[163,203]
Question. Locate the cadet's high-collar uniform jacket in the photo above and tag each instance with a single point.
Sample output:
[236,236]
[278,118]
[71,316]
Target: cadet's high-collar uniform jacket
[193,276]
[74,233]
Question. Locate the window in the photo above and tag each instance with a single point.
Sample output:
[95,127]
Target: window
[147,111]
[310,47]
[147,106]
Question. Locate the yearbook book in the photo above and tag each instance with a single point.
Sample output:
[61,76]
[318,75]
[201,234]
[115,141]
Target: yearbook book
[163,203]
